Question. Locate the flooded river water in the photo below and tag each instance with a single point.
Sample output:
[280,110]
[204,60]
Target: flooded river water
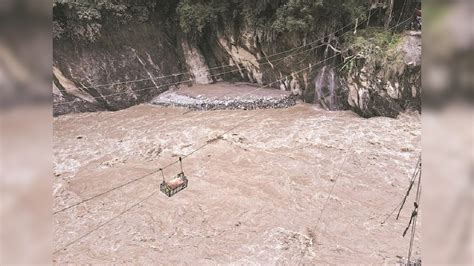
[254,196]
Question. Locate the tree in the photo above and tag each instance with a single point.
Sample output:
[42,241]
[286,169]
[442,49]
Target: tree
[389,14]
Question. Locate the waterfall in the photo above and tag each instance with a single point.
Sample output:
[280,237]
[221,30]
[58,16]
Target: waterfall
[318,85]
[325,90]
[332,88]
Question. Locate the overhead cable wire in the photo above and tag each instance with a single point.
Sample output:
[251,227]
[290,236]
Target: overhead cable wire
[333,185]
[134,180]
[343,162]
[146,198]
[120,93]
[217,67]
[412,180]
[295,48]
[155,171]
[105,223]
[112,189]
[169,84]
[154,192]
[180,82]
[415,174]
[415,214]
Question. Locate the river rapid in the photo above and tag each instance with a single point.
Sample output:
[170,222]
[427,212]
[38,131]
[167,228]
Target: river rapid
[255,194]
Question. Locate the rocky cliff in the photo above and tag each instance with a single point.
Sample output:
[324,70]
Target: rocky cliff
[130,66]
[116,65]
[385,79]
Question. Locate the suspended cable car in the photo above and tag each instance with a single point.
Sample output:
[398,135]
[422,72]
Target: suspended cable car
[176,184]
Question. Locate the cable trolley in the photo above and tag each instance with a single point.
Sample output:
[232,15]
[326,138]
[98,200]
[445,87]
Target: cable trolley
[175,185]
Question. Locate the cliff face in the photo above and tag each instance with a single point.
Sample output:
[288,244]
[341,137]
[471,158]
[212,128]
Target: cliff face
[386,82]
[132,63]
[123,69]
[374,74]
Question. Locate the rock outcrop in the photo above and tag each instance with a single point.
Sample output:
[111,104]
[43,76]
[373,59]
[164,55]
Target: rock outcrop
[133,63]
[388,84]
[196,63]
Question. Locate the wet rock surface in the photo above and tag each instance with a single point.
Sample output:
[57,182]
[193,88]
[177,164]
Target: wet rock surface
[254,195]
[126,67]
[385,83]
[226,96]
[95,78]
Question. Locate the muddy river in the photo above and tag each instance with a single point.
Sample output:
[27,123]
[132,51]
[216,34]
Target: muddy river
[255,195]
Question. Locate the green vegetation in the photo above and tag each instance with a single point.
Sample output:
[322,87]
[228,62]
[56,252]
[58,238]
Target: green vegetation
[193,18]
[310,15]
[297,16]
[373,40]
[84,19]
[377,47]
[197,16]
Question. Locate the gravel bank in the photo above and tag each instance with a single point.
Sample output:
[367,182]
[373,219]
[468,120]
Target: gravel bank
[225,96]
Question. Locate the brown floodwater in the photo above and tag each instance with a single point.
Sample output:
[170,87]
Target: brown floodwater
[254,196]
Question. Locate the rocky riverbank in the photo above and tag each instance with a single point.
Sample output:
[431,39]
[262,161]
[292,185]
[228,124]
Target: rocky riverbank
[225,96]
[125,56]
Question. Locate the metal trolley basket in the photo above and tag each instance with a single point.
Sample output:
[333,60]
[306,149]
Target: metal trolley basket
[175,185]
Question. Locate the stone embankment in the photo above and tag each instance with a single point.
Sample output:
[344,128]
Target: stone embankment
[225,96]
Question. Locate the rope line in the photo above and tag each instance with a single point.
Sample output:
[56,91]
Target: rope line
[399,205]
[415,213]
[218,67]
[119,93]
[333,185]
[105,223]
[112,189]
[155,171]
[180,82]
[417,169]
[189,154]
[212,75]
[343,162]
[295,48]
